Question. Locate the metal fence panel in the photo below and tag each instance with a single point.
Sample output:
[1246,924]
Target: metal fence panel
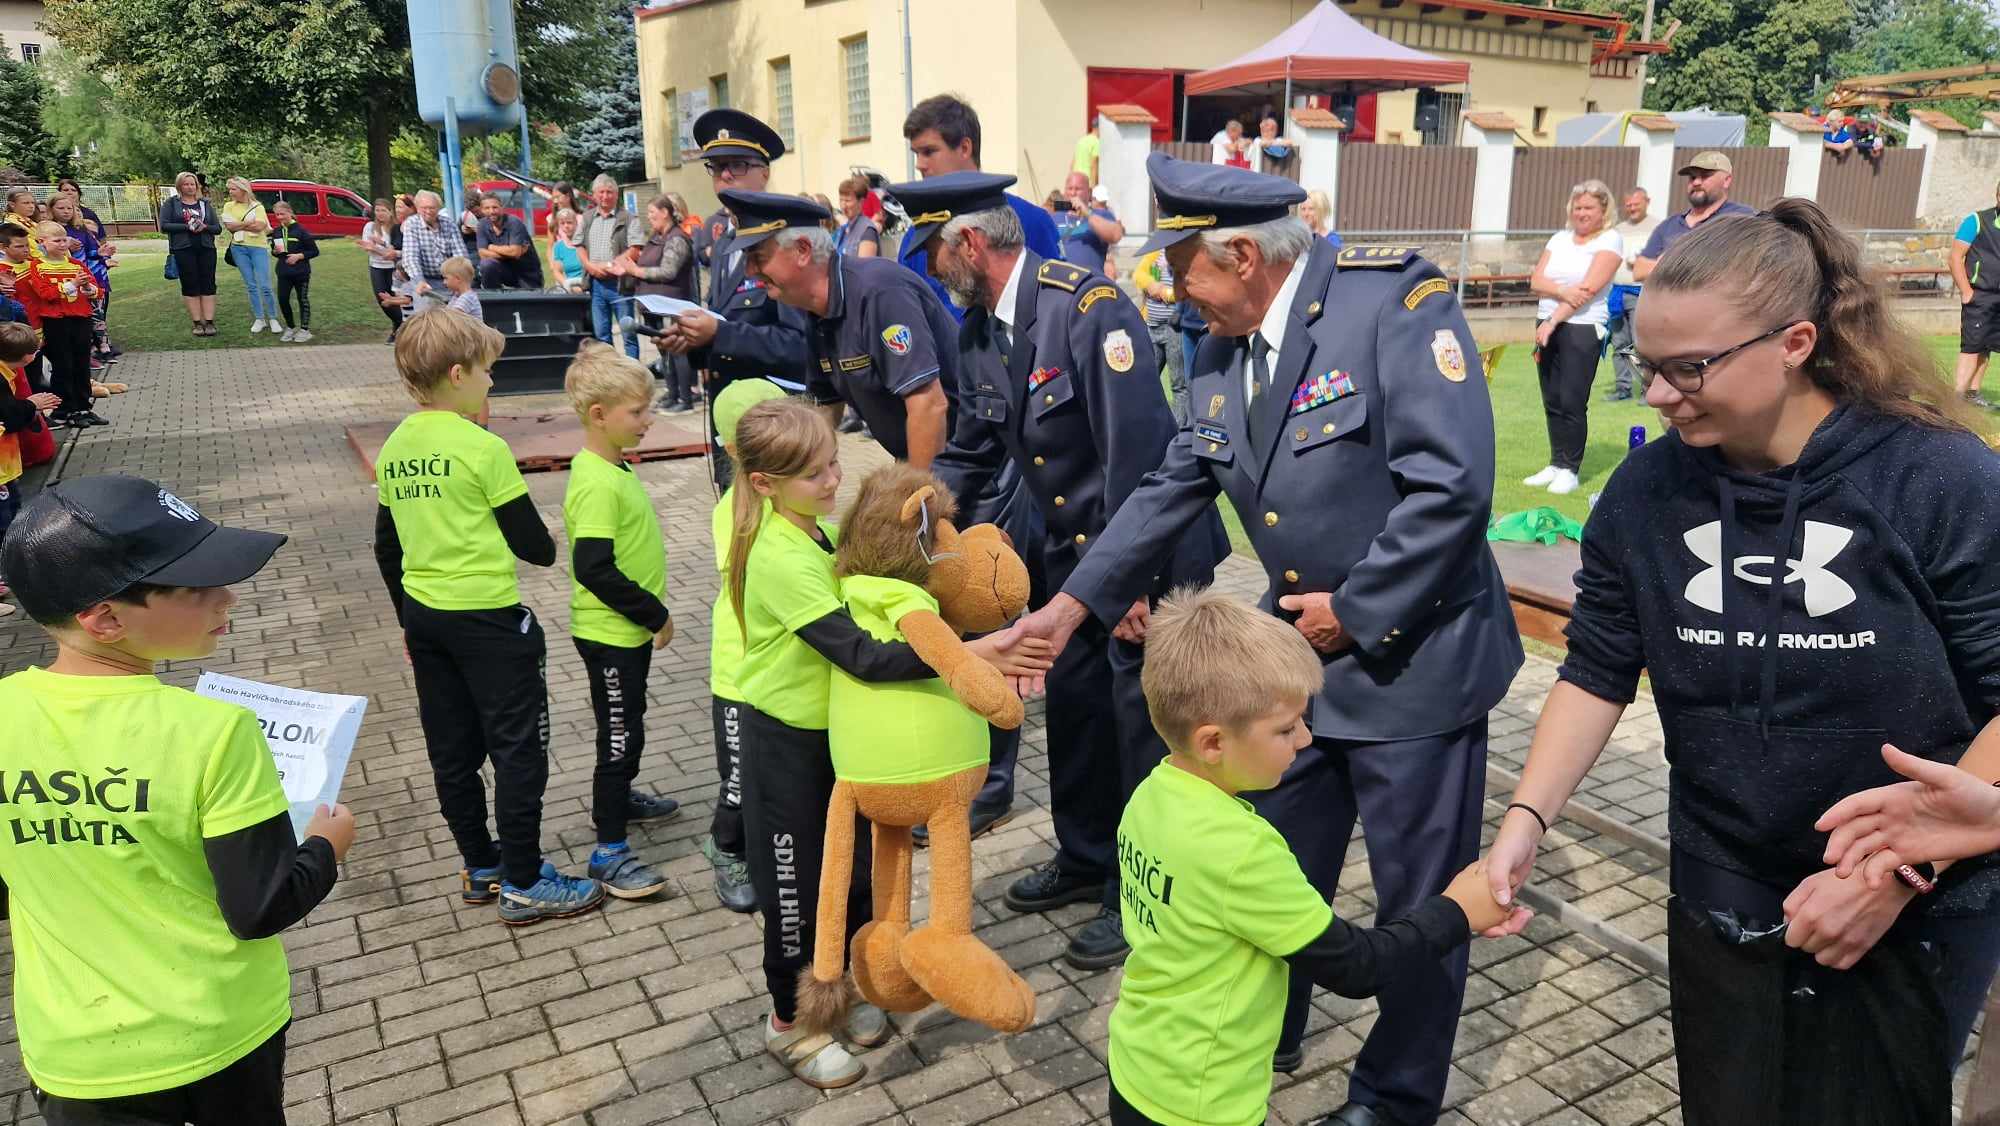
[1385,187]
[114,203]
[1759,176]
[1543,178]
[1859,192]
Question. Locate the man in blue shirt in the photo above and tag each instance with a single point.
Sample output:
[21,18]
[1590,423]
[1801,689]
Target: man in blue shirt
[1710,176]
[1088,230]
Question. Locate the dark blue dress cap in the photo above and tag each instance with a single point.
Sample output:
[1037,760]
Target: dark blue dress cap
[759,215]
[933,202]
[1203,197]
[731,132]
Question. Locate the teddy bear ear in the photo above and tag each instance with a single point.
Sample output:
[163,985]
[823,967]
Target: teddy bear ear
[916,502]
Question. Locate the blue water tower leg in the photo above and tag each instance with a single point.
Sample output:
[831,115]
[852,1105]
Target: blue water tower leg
[454,179]
[528,169]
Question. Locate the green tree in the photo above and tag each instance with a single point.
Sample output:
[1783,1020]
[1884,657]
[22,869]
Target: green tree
[26,145]
[612,137]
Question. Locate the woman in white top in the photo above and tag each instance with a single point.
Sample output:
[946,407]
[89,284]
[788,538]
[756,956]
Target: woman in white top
[377,240]
[1573,279]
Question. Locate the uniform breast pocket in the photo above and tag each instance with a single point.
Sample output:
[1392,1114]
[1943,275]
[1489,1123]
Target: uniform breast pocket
[749,299]
[990,408]
[1052,395]
[1342,418]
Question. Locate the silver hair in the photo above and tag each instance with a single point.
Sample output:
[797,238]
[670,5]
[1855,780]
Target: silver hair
[430,195]
[1000,225]
[603,180]
[1279,240]
[818,239]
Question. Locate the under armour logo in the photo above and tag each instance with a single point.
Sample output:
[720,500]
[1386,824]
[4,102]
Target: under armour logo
[1825,591]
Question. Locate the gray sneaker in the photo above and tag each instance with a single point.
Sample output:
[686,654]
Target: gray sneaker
[624,875]
[732,878]
[552,897]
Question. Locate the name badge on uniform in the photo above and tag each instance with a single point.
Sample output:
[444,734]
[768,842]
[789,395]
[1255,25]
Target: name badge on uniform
[1040,376]
[1210,432]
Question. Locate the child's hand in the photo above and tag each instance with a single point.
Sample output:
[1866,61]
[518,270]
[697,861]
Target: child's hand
[1015,654]
[1482,912]
[336,825]
[294,259]
[666,635]
[44,401]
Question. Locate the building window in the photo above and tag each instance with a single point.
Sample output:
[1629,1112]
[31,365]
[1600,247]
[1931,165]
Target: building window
[673,128]
[718,92]
[31,53]
[854,64]
[1590,107]
[781,98]
[1541,120]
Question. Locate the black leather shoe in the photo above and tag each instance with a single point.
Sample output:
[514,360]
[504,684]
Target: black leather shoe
[1100,944]
[985,819]
[1047,887]
[640,806]
[1285,1063]
[1354,1114]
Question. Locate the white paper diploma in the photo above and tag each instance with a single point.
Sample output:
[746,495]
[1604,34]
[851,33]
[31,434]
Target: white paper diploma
[311,735]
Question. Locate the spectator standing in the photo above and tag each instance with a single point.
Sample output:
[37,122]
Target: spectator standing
[603,233]
[1230,146]
[665,266]
[21,211]
[562,195]
[189,222]
[293,248]
[1710,176]
[1571,279]
[1154,277]
[1317,211]
[1088,149]
[428,239]
[565,264]
[249,227]
[1635,230]
[74,190]
[87,247]
[378,239]
[1975,269]
[1088,231]
[858,235]
[507,258]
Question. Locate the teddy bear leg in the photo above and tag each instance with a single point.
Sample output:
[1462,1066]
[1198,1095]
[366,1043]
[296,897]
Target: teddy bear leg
[944,957]
[877,949]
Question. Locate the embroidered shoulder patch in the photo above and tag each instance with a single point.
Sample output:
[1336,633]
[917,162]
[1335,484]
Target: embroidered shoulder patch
[1093,296]
[1417,295]
[897,337]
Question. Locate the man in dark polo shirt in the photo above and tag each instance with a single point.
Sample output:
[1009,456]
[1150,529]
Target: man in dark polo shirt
[507,258]
[1710,177]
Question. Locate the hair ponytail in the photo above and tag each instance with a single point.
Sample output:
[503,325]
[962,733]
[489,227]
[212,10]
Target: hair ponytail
[1793,261]
[778,438]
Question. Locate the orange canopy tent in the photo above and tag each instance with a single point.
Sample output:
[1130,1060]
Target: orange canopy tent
[1329,49]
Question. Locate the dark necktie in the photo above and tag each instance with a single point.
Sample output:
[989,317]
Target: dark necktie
[1003,338]
[1260,366]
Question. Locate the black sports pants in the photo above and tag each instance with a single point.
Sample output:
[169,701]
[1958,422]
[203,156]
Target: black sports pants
[618,696]
[727,824]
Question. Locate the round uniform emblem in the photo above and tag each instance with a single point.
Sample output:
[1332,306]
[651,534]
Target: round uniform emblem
[722,134]
[181,509]
[1448,353]
[1118,355]
[897,337]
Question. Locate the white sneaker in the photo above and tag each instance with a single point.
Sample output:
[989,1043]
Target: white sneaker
[817,1060]
[302,336]
[1541,477]
[287,336]
[1563,482]
[257,325]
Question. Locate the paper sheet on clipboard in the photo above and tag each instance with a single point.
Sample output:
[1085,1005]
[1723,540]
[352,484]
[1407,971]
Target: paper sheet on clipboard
[661,305]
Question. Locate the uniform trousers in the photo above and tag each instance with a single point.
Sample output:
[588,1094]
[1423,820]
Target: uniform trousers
[727,824]
[618,696]
[1419,803]
[1101,746]
[250,1090]
[788,780]
[482,695]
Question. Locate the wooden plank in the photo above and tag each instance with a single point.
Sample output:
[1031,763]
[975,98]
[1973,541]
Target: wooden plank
[1541,584]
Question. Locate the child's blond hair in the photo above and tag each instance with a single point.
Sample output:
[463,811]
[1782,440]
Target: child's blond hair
[603,374]
[1213,659]
[429,344]
[458,266]
[17,343]
[48,228]
[779,438]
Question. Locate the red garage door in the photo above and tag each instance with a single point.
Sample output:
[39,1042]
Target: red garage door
[1151,89]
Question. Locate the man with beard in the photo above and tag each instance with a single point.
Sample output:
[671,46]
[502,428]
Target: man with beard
[1710,177]
[1057,378]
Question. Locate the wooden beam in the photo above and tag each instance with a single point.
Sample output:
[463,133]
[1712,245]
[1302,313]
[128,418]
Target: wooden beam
[1472,15]
[1551,25]
[1513,21]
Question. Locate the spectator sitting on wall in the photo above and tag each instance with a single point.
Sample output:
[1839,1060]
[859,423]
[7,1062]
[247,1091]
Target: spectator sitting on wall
[1230,146]
[507,258]
[1276,149]
[1088,230]
[1846,133]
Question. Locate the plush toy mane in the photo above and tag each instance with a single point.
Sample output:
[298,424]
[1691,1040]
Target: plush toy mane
[874,537]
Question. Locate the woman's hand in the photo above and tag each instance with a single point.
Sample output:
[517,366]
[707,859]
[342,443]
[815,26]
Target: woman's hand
[1943,813]
[1837,921]
[1545,330]
[1508,863]
[1575,296]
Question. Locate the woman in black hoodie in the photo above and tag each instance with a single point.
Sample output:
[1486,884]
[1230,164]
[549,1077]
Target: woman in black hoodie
[1803,567]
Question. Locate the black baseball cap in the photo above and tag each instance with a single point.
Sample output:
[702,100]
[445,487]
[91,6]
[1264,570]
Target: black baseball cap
[85,540]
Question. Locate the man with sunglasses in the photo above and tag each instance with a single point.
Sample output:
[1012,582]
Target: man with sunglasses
[746,333]
[1710,176]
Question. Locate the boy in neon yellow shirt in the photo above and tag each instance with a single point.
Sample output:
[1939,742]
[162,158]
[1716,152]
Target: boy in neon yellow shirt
[454,516]
[618,573]
[724,845]
[1215,907]
[148,846]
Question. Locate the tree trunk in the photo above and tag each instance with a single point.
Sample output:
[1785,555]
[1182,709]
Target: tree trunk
[381,129]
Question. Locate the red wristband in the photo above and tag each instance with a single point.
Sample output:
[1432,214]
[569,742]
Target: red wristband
[1922,884]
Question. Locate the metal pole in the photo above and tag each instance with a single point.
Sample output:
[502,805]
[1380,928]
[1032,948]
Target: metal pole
[528,169]
[454,172]
[1645,36]
[1464,264]
[909,93]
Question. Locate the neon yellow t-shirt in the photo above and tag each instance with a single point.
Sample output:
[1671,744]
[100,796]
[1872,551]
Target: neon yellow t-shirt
[789,584]
[725,640]
[1213,903]
[606,501]
[1087,148]
[903,731]
[234,212]
[126,978]
[442,477]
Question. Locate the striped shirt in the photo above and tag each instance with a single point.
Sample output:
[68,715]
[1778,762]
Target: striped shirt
[426,247]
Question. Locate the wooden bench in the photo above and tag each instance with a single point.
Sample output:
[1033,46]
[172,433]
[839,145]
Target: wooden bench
[1541,583]
[1493,282]
[1903,274]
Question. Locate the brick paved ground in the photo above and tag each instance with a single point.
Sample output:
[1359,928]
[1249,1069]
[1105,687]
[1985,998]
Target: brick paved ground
[413,1009]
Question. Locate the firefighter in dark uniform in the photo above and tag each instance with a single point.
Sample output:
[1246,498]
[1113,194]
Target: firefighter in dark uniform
[1056,375]
[754,336]
[1339,403]
[876,336]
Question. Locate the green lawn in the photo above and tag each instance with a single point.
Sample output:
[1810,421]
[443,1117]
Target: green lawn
[147,314]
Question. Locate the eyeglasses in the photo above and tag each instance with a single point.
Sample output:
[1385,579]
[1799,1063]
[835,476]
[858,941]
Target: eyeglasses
[1686,376]
[734,166]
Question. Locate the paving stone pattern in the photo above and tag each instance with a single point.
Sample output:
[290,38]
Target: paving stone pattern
[413,1009]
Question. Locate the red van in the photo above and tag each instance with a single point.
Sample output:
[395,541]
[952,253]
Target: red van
[325,210]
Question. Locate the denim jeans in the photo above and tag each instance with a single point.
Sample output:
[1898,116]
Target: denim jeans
[254,263]
[605,309]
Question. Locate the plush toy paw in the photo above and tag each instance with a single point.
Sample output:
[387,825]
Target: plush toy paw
[877,953]
[967,977]
[985,692]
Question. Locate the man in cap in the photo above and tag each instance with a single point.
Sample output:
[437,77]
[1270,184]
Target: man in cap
[1710,176]
[1338,401]
[1058,380]
[877,337]
[754,336]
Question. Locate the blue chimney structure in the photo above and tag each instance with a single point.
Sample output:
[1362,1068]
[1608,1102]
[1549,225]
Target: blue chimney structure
[468,75]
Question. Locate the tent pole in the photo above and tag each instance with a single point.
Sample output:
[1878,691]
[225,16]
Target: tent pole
[1185,123]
